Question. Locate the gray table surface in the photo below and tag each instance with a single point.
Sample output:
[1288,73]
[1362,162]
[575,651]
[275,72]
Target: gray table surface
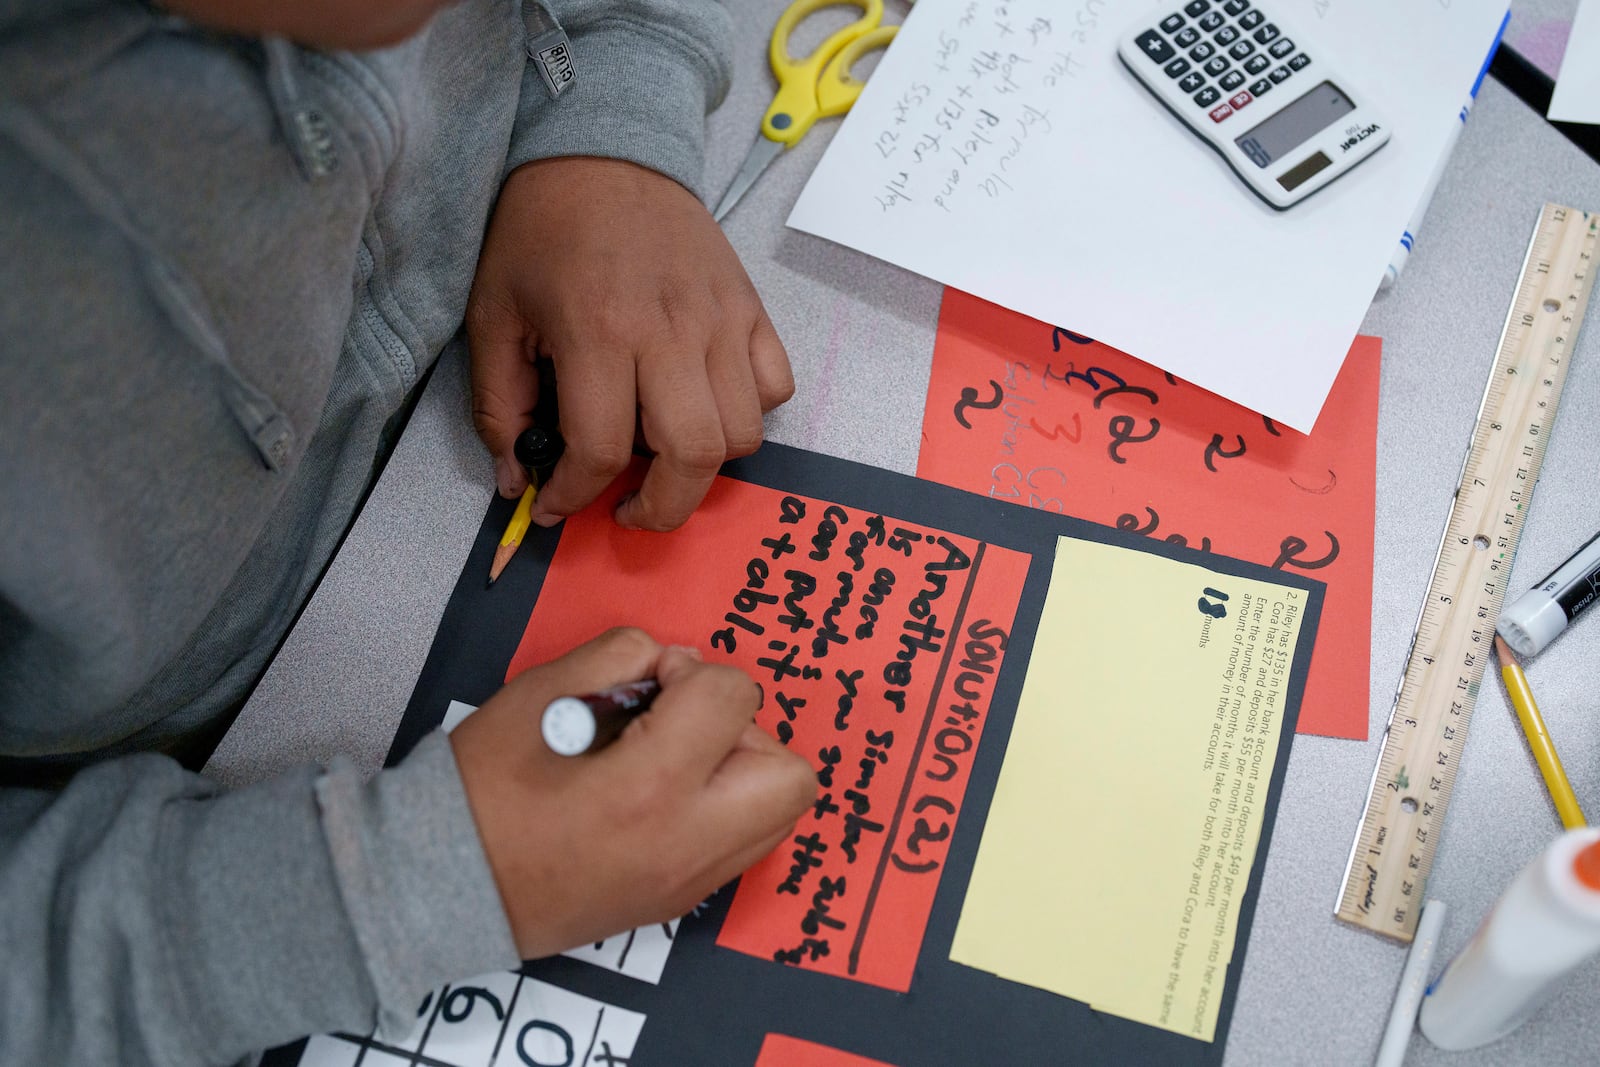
[860,335]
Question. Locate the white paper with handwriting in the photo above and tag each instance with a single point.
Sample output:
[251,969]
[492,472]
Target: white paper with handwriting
[1002,148]
[1577,94]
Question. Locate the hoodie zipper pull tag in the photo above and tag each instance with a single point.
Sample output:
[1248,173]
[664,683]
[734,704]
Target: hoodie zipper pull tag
[548,47]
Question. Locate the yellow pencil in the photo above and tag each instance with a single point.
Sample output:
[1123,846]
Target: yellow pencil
[516,530]
[537,449]
[1544,752]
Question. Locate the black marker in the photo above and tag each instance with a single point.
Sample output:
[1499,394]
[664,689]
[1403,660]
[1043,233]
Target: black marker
[572,726]
[1538,616]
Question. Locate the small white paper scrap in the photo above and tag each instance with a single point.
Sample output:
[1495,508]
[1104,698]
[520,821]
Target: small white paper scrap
[1577,95]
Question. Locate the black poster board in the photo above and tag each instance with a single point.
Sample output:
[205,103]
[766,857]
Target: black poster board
[714,1006]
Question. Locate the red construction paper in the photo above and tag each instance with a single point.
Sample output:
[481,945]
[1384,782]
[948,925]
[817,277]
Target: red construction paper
[1023,411]
[877,644]
[780,1050]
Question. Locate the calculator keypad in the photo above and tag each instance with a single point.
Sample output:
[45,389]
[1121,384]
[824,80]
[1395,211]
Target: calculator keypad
[1205,26]
[1154,47]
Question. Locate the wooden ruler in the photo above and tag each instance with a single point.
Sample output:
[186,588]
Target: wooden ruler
[1454,638]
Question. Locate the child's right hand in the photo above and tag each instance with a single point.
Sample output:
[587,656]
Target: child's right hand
[690,795]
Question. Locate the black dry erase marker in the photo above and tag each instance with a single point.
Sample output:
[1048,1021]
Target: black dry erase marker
[572,726]
[538,449]
[1538,616]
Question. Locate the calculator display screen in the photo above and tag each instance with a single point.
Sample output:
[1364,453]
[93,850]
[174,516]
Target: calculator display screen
[1295,124]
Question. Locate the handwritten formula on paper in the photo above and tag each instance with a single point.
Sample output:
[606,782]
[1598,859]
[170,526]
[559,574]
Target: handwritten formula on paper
[877,644]
[958,141]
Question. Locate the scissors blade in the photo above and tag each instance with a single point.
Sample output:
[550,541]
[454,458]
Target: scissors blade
[762,153]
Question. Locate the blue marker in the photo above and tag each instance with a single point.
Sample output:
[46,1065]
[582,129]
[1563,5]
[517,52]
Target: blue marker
[1397,262]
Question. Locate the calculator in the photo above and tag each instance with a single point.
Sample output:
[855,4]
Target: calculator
[1257,90]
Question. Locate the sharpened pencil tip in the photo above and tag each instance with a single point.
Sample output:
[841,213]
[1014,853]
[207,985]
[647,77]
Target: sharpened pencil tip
[502,556]
[1503,650]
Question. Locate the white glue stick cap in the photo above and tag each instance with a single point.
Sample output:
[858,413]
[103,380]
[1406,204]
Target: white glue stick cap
[1532,623]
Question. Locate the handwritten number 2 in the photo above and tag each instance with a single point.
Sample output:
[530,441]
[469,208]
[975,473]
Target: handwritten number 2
[1121,428]
[969,399]
[1215,449]
[1290,548]
[1058,333]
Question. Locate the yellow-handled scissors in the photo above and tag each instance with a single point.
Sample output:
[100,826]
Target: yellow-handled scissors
[810,88]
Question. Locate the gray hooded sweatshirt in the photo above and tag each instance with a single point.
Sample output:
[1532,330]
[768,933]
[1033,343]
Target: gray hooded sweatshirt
[226,262]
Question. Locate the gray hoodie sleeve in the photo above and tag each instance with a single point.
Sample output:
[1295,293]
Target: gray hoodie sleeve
[646,73]
[147,917]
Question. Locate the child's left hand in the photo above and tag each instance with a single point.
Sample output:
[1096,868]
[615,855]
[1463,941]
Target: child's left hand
[620,276]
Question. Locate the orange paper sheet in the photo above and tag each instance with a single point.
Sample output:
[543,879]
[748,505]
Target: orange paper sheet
[1026,412]
[877,644]
[780,1050]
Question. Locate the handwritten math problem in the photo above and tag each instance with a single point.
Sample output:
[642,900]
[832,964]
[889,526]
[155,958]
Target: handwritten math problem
[877,644]
[1043,417]
[995,70]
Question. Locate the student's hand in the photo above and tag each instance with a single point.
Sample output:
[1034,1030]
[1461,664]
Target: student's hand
[690,794]
[621,277]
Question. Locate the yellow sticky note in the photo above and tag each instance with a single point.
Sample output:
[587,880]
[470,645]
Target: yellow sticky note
[1130,803]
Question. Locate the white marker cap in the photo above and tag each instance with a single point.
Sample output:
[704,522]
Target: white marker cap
[1532,622]
[568,726]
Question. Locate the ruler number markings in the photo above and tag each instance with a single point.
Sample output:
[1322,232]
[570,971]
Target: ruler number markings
[1426,734]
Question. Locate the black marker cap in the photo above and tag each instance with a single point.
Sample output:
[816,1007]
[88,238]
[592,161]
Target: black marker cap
[538,449]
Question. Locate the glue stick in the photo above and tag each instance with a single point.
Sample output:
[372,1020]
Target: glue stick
[1544,926]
